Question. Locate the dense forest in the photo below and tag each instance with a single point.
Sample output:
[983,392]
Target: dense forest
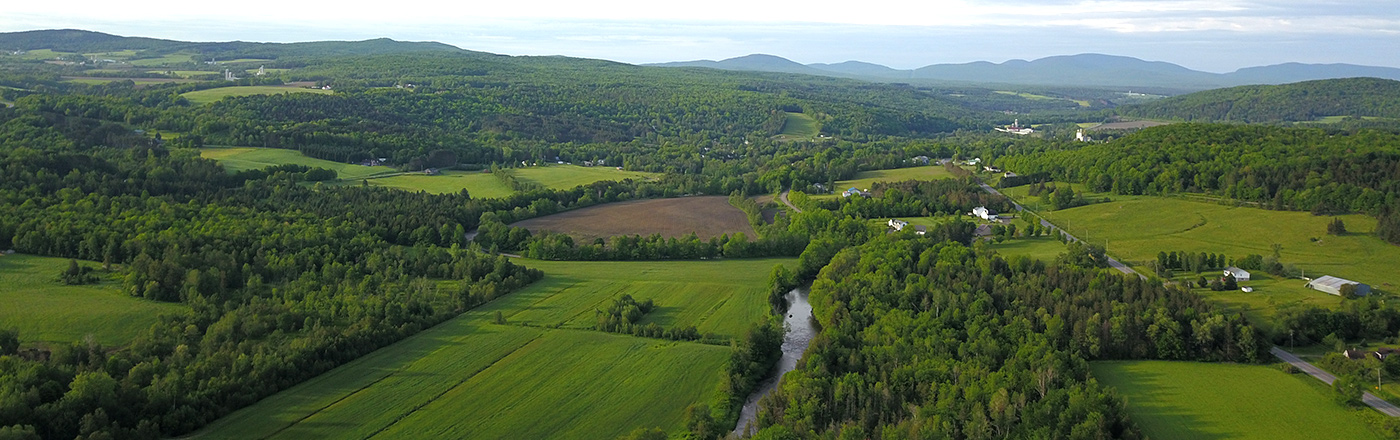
[926,339]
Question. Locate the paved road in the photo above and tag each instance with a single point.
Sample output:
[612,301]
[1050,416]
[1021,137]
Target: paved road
[1383,406]
[1043,222]
[783,198]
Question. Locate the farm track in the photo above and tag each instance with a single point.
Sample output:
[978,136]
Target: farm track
[784,198]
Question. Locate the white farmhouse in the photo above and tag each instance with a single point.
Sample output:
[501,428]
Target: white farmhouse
[1239,274]
[982,213]
[897,224]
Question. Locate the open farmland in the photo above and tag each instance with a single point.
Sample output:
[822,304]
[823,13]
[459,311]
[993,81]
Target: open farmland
[206,96]
[1136,228]
[46,311]
[470,377]
[569,176]
[240,158]
[1188,400]
[866,179]
[706,216]
[478,184]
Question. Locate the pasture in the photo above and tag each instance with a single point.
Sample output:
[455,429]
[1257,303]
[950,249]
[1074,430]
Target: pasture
[706,216]
[1189,400]
[140,82]
[200,97]
[472,378]
[1136,228]
[1042,248]
[239,159]
[49,312]
[478,184]
[187,73]
[799,126]
[717,296]
[569,176]
[866,179]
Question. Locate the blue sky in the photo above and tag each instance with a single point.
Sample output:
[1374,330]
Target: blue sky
[1214,35]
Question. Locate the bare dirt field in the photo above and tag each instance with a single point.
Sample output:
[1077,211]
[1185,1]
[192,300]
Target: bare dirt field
[708,216]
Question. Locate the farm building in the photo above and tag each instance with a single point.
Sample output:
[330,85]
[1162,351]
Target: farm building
[920,229]
[982,231]
[983,213]
[1333,285]
[853,191]
[897,224]
[1239,274]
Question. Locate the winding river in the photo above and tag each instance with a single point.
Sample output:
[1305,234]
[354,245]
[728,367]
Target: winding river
[800,331]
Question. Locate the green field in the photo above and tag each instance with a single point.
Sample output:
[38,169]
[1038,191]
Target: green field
[36,55]
[478,184]
[165,60]
[799,125]
[866,179]
[1187,400]
[186,73]
[1136,228]
[1042,248]
[471,378]
[46,311]
[569,176]
[206,96]
[721,296]
[239,159]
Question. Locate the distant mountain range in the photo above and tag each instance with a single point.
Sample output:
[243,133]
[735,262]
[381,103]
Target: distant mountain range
[1091,70]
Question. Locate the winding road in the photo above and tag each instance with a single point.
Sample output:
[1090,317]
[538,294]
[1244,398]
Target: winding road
[784,199]
[1379,404]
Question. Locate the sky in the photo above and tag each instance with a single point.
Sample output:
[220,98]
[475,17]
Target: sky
[1209,35]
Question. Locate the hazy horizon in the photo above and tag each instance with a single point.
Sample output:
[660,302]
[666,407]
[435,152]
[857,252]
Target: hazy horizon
[1219,36]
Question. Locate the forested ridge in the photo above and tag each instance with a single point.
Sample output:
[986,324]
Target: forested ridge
[1302,101]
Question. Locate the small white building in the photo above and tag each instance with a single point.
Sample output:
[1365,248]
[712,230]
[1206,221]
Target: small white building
[982,213]
[1081,137]
[898,224]
[1239,274]
[1246,289]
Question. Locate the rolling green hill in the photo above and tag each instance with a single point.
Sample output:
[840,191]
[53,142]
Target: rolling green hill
[1303,101]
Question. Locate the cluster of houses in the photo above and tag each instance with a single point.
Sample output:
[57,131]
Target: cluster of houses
[375,162]
[899,225]
[1379,353]
[1016,128]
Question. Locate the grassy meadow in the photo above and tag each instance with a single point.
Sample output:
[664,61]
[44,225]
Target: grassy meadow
[799,125]
[1190,400]
[200,97]
[541,374]
[47,311]
[569,176]
[164,60]
[1136,228]
[866,179]
[241,158]
[478,184]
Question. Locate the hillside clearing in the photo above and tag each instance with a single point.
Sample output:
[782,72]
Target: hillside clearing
[866,179]
[242,158]
[706,216]
[46,311]
[201,97]
[799,126]
[569,176]
[1188,400]
[478,184]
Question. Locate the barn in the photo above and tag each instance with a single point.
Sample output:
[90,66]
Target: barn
[1333,285]
[1239,274]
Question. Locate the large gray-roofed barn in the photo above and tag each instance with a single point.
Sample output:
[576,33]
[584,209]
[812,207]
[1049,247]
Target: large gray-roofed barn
[1333,285]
